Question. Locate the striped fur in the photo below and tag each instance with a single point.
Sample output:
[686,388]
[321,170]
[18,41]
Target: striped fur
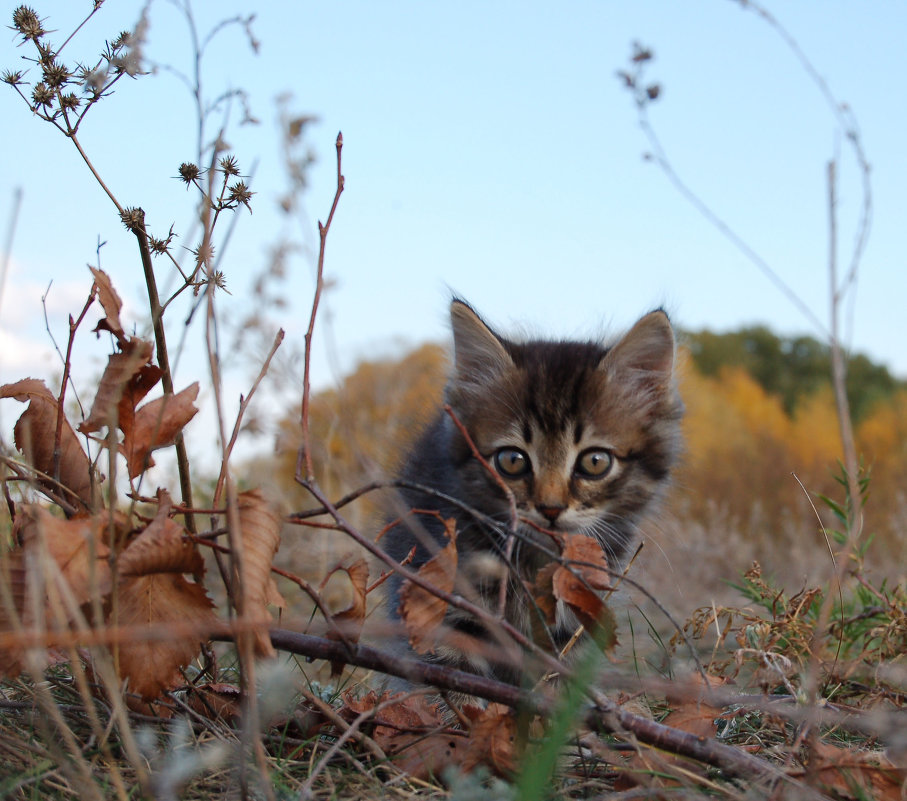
[541,412]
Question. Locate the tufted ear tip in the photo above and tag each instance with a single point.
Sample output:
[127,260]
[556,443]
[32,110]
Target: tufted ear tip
[477,349]
[648,347]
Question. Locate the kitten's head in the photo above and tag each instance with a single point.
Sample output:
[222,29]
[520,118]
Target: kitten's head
[583,434]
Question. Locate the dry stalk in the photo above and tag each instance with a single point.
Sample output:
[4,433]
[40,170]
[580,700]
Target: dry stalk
[305,451]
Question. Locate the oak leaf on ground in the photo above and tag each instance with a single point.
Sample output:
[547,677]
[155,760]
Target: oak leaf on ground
[410,730]
[492,740]
[853,773]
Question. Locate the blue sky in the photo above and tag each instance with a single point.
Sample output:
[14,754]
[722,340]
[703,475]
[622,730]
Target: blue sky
[490,150]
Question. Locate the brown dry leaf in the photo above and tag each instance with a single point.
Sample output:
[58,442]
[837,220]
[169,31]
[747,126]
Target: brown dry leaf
[110,302]
[492,736]
[261,525]
[162,547]
[349,621]
[542,590]
[156,425]
[12,606]
[34,435]
[851,773]
[422,612]
[77,546]
[128,377]
[161,600]
[216,701]
[690,714]
[577,583]
[424,756]
[410,731]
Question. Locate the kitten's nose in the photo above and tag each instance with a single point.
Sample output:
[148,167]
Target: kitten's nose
[551,513]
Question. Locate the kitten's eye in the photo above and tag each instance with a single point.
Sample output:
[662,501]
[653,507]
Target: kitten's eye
[594,464]
[512,462]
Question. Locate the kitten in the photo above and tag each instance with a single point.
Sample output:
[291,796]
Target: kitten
[584,436]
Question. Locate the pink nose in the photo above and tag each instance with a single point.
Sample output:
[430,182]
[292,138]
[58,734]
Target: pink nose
[551,513]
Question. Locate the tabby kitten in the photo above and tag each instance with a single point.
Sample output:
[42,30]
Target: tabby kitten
[584,436]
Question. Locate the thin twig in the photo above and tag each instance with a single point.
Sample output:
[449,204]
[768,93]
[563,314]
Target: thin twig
[243,406]
[305,451]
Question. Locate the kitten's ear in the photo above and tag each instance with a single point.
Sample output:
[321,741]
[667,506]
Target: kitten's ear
[477,349]
[646,351]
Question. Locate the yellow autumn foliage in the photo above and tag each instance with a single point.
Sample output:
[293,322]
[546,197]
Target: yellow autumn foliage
[745,456]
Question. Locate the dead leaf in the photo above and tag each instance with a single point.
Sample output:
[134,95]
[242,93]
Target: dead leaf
[688,712]
[156,425]
[12,606]
[421,611]
[34,435]
[168,600]
[216,701]
[576,584]
[162,547]
[128,377]
[110,302]
[492,738]
[410,731]
[261,525]
[77,546]
[853,773]
[349,621]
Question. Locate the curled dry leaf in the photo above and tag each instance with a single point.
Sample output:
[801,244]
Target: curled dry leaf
[348,622]
[576,584]
[492,738]
[162,547]
[34,434]
[180,617]
[261,525]
[156,425]
[423,612]
[216,701]
[128,377]
[855,773]
[12,607]
[67,558]
[110,302]
[77,547]
[410,731]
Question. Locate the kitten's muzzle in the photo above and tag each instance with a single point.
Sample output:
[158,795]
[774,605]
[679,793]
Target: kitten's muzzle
[550,513]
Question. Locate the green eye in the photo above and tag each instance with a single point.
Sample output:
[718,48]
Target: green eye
[512,462]
[594,464]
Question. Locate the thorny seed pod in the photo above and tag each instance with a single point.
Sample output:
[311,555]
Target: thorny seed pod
[42,95]
[26,21]
[56,75]
[204,254]
[69,101]
[240,193]
[188,172]
[12,78]
[229,166]
[133,218]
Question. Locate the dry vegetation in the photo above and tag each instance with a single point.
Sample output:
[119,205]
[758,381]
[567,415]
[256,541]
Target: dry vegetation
[148,649]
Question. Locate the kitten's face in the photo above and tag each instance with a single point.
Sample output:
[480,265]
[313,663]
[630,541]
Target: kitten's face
[582,435]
